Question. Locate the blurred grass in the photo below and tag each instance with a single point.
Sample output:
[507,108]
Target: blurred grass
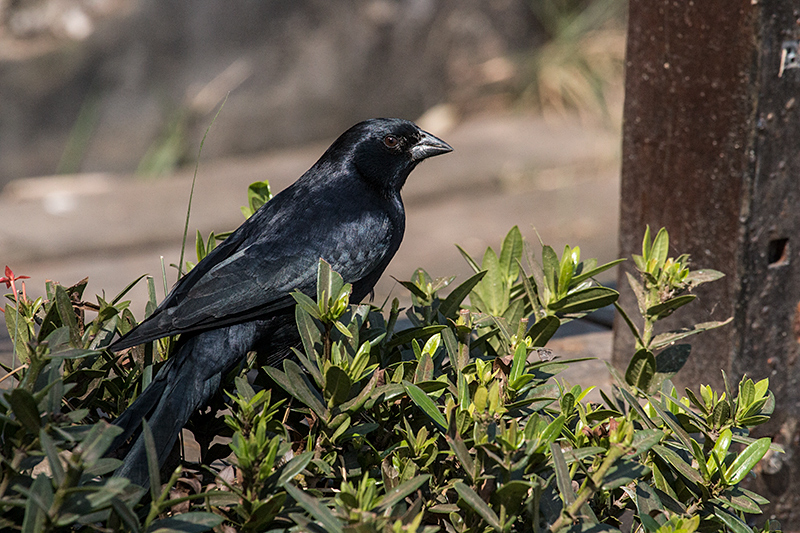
[580,66]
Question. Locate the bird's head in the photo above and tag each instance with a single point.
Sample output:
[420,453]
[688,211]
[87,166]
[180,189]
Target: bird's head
[386,150]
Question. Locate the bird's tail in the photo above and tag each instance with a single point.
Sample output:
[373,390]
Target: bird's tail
[184,384]
[191,376]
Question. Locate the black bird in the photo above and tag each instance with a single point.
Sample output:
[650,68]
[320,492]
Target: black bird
[345,209]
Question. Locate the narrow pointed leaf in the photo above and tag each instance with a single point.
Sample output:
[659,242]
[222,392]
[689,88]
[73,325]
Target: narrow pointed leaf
[152,461]
[450,306]
[660,249]
[550,265]
[543,330]
[469,259]
[665,308]
[337,385]
[583,300]
[663,339]
[595,271]
[563,479]
[671,457]
[293,382]
[316,509]
[510,254]
[746,460]
[427,405]
[25,410]
[697,277]
[641,370]
[731,522]
[475,502]
[398,493]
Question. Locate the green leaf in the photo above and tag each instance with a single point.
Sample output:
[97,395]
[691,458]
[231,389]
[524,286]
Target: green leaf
[328,285]
[475,502]
[641,370]
[583,276]
[647,499]
[735,498]
[512,495]
[427,405]
[193,522]
[543,330]
[450,306]
[493,289]
[563,478]
[623,472]
[49,447]
[460,450]
[316,509]
[356,403]
[95,444]
[306,304]
[697,277]
[518,363]
[585,300]
[40,499]
[126,514]
[660,249]
[747,392]
[550,265]
[731,522]
[552,431]
[412,287]
[18,331]
[630,324]
[67,314]
[666,308]
[127,288]
[337,385]
[746,460]
[721,414]
[646,244]
[407,335]
[424,370]
[398,493]
[510,254]
[258,193]
[295,383]
[664,339]
[672,423]
[199,246]
[644,439]
[566,268]
[678,463]
[469,259]
[669,362]
[25,410]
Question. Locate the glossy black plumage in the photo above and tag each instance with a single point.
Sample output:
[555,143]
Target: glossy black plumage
[345,209]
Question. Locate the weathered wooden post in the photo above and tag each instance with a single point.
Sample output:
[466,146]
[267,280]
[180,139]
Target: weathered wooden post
[711,151]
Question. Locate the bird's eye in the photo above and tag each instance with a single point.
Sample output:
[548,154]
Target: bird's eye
[391,141]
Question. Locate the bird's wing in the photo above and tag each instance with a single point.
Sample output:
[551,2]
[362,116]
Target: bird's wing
[257,278]
[251,274]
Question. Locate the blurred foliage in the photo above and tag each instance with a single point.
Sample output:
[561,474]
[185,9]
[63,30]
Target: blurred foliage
[454,424]
[580,64]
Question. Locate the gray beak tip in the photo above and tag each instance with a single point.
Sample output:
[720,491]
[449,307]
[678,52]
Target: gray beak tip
[429,146]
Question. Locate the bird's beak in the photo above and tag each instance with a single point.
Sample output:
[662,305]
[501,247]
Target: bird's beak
[429,146]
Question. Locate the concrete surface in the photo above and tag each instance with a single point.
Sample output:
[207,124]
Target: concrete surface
[558,179]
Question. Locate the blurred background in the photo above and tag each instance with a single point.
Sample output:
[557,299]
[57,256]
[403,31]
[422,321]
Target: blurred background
[104,103]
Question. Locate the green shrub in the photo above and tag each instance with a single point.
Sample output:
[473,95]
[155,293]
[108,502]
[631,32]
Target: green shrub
[455,424]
